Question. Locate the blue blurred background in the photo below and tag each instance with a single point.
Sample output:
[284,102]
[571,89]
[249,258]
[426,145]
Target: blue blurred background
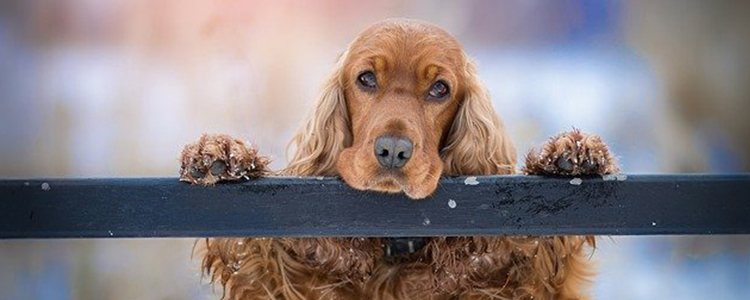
[94,88]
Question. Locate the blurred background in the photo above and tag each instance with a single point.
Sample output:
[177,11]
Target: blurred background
[92,88]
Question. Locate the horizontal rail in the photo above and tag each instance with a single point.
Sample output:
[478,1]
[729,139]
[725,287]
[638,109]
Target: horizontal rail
[306,207]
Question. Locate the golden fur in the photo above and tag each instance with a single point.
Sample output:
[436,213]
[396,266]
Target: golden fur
[460,135]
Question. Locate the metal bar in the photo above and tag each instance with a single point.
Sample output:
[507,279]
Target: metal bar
[307,207]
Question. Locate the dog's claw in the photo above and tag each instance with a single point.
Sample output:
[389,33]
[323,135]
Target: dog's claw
[218,168]
[196,173]
[563,163]
[589,165]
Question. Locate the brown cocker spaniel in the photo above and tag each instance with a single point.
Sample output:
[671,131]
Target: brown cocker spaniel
[403,106]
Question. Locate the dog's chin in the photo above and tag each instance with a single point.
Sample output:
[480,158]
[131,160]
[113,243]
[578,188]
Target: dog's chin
[394,183]
[387,185]
[397,184]
[384,182]
[365,175]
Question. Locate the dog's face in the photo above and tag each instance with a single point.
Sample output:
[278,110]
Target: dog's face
[403,106]
[402,88]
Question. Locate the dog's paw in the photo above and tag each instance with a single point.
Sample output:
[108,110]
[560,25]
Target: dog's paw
[572,153]
[219,157]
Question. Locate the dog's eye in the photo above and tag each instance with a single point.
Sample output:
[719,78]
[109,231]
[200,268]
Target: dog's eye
[367,80]
[439,89]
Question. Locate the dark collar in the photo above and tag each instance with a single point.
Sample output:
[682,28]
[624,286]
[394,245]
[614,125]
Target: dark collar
[402,246]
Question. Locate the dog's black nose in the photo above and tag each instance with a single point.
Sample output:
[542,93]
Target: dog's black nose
[393,152]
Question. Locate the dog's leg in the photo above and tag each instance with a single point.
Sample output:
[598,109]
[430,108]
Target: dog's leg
[219,157]
[572,153]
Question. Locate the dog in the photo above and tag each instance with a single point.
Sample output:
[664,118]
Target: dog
[402,107]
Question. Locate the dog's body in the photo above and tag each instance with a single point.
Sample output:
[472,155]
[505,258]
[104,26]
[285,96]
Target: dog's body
[403,107]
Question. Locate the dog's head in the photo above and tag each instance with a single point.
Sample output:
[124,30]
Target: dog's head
[403,106]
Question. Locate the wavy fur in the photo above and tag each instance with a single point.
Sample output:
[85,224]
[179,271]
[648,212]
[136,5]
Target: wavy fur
[477,143]
[326,131]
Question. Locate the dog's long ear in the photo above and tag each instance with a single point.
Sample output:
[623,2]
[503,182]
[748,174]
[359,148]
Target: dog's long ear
[326,131]
[477,143]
